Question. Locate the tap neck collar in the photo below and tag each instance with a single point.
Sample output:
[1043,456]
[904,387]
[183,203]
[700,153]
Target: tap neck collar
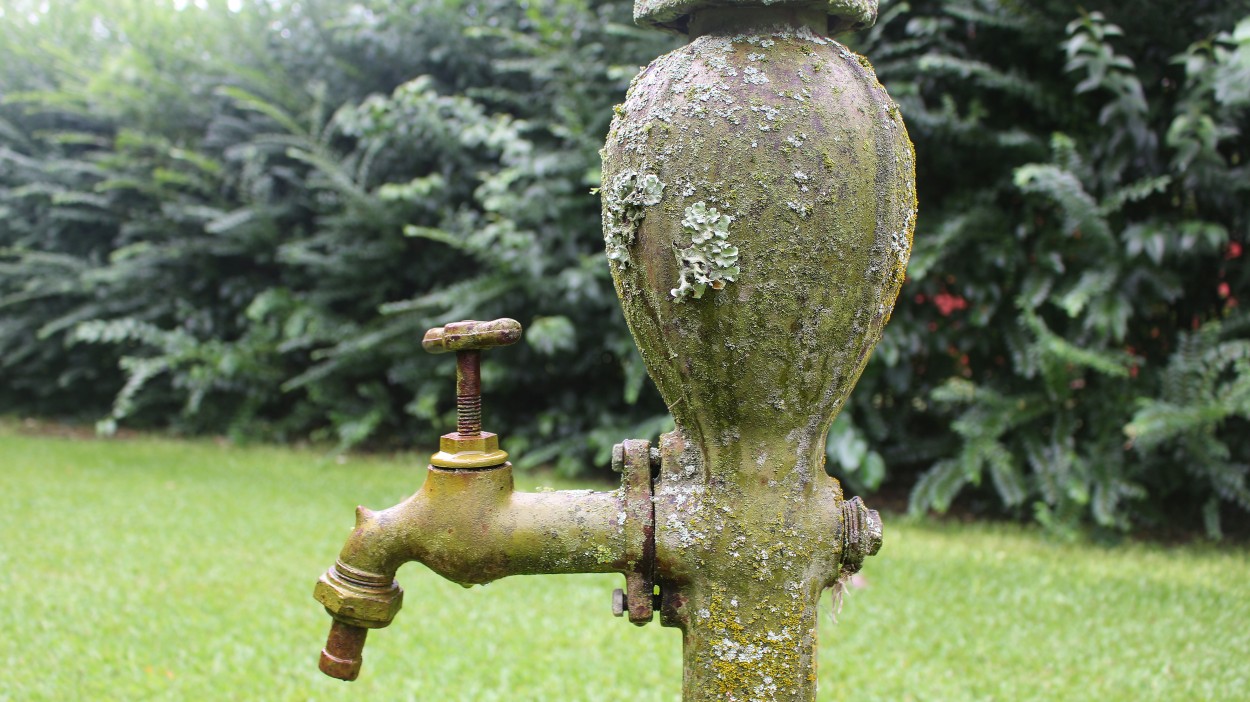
[742,20]
[677,15]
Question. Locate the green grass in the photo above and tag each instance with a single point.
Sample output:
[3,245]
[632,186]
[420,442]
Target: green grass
[154,569]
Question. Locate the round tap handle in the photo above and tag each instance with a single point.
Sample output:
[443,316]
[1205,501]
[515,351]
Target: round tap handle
[468,339]
[471,335]
[344,651]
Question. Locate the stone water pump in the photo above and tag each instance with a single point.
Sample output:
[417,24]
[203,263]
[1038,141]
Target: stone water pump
[758,208]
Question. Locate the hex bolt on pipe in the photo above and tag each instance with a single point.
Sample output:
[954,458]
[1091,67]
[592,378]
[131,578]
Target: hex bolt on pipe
[758,209]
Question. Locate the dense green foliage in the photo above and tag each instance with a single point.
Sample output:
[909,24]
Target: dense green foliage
[243,221]
[255,216]
[1073,344]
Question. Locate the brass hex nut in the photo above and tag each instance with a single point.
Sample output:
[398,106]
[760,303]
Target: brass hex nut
[361,605]
[460,451]
[483,442]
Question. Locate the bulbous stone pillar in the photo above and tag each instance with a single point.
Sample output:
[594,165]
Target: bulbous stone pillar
[777,145]
[759,202]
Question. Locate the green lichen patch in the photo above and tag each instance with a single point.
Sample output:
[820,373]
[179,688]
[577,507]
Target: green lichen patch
[625,206]
[709,260]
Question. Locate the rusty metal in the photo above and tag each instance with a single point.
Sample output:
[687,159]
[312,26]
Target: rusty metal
[344,651]
[469,447]
[639,530]
[469,393]
[633,459]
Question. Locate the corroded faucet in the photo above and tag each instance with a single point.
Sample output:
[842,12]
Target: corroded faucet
[758,208]
[467,523]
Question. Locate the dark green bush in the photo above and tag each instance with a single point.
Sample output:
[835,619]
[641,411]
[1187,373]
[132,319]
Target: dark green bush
[243,222]
[254,237]
[1083,215]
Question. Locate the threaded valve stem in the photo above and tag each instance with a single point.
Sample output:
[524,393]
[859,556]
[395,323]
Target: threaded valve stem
[469,414]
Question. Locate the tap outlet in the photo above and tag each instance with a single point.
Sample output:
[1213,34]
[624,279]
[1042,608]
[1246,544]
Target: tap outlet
[470,525]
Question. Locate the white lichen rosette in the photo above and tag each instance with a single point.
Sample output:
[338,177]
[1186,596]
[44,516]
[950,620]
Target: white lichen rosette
[710,260]
[628,197]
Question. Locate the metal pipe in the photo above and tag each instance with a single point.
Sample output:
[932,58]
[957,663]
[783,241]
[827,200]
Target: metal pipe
[344,651]
[471,527]
[746,549]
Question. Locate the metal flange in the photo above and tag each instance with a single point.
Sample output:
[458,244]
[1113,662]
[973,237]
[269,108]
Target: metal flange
[633,459]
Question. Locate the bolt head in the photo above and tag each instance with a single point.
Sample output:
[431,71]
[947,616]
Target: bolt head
[618,602]
[871,526]
[861,534]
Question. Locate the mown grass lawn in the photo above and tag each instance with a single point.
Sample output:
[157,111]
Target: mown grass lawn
[157,569]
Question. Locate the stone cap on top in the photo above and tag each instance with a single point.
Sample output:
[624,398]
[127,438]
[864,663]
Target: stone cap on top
[674,15]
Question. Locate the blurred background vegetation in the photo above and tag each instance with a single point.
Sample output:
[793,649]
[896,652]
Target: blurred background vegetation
[239,216]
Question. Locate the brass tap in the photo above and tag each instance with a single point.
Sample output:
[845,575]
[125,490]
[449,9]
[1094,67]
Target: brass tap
[469,525]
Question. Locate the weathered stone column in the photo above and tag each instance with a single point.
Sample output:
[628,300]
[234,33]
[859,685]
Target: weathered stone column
[759,201]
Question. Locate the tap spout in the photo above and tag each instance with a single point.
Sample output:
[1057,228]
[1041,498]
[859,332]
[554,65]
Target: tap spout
[471,527]
[344,651]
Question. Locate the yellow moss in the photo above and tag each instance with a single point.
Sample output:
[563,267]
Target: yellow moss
[603,554]
[769,663]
